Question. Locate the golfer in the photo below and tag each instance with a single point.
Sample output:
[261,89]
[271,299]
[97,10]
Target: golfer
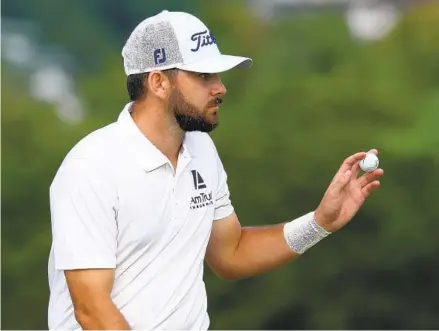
[139,205]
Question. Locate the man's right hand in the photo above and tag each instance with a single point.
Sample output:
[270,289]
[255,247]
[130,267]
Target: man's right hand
[90,290]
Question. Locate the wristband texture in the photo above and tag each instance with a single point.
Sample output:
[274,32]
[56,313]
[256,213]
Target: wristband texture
[303,233]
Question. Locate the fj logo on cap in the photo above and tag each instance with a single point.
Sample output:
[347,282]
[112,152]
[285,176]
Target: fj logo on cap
[204,38]
[159,56]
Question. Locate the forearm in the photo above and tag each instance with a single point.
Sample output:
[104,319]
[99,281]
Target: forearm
[235,252]
[260,249]
[104,316]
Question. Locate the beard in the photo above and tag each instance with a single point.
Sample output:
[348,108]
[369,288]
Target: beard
[188,116]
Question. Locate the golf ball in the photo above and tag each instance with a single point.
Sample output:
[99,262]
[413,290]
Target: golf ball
[369,163]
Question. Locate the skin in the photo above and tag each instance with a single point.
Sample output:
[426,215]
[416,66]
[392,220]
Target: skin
[90,290]
[233,251]
[154,114]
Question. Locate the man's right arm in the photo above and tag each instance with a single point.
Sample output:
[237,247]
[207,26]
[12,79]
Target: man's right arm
[83,204]
[90,290]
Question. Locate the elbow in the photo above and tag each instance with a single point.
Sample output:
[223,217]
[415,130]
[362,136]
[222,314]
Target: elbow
[85,315]
[228,273]
[82,316]
[227,276]
[227,267]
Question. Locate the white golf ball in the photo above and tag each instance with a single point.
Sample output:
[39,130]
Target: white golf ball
[369,163]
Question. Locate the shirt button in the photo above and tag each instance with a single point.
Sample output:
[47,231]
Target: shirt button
[177,202]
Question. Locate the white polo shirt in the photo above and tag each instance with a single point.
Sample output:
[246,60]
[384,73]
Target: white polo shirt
[116,202]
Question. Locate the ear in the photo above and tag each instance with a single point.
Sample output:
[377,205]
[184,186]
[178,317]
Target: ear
[158,84]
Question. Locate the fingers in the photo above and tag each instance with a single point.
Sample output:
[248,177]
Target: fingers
[347,171]
[355,170]
[369,188]
[369,177]
[340,181]
[350,169]
[351,160]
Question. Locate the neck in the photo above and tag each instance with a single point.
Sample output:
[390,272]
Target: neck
[159,127]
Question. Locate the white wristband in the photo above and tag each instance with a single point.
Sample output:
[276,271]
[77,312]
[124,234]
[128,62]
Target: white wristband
[303,233]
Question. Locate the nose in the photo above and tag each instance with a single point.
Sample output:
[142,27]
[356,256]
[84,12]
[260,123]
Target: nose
[218,88]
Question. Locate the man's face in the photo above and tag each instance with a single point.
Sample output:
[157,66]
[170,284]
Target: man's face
[195,100]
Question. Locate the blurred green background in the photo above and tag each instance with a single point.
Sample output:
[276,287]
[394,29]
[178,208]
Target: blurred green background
[328,80]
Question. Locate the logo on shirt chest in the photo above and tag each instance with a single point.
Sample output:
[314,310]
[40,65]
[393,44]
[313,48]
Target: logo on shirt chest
[203,199]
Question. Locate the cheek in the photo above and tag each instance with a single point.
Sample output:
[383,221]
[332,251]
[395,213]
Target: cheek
[197,95]
[198,100]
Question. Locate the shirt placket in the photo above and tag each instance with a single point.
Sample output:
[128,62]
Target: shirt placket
[179,190]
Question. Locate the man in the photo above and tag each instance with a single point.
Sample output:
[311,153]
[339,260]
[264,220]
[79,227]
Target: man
[137,206]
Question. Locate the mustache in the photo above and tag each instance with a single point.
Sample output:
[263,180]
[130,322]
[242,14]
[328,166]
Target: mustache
[215,102]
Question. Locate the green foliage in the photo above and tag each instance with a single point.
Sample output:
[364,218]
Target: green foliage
[313,96]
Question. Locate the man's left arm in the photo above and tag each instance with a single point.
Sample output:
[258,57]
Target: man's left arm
[237,252]
[234,252]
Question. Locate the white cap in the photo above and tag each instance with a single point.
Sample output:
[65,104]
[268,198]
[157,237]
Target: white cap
[176,40]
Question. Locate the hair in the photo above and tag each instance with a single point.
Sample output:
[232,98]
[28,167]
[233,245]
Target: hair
[136,84]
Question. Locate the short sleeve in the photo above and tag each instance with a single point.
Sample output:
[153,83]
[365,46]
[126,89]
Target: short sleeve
[223,204]
[83,216]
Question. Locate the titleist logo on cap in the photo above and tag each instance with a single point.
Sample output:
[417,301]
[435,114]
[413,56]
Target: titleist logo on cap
[204,38]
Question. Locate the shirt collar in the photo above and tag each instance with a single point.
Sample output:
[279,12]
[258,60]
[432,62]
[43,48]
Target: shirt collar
[148,155]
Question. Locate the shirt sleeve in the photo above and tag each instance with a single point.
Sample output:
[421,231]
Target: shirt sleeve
[223,204]
[83,216]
